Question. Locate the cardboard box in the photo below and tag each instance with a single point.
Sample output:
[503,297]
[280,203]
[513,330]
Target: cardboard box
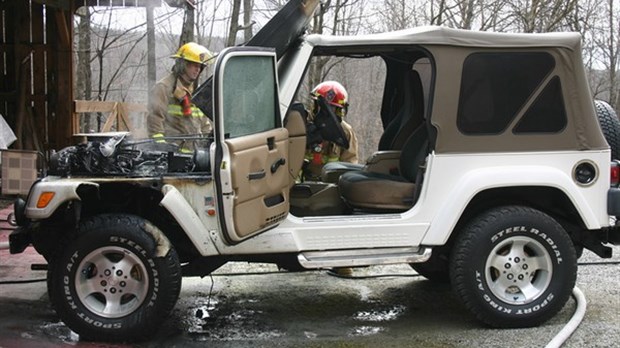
[19,171]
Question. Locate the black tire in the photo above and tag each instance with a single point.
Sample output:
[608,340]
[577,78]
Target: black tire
[610,125]
[111,283]
[436,269]
[513,266]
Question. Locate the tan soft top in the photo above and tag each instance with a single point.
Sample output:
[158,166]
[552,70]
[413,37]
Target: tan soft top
[450,47]
[434,35]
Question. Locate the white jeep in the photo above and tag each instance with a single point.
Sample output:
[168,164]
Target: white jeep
[492,172]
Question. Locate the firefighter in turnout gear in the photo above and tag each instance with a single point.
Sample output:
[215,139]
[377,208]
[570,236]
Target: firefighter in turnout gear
[170,110]
[336,96]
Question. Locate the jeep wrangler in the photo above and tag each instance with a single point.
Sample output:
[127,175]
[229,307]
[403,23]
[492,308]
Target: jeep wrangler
[492,173]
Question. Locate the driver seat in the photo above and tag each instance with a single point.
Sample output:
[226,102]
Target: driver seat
[408,119]
[379,192]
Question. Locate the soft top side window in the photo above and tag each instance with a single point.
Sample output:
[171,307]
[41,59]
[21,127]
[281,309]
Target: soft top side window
[547,114]
[495,86]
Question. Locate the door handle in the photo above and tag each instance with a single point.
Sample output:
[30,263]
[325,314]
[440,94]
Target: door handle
[257,175]
[277,164]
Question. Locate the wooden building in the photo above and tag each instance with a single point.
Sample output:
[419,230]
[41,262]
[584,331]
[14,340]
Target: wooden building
[37,66]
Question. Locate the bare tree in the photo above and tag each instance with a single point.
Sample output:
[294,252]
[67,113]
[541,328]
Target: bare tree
[345,17]
[539,16]
[234,23]
[397,14]
[209,24]
[437,12]
[116,62]
[247,19]
[107,51]
[187,33]
[613,52]
[83,71]
[150,47]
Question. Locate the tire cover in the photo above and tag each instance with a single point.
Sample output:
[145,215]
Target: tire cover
[610,125]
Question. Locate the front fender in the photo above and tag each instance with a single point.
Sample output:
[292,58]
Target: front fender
[187,218]
[62,190]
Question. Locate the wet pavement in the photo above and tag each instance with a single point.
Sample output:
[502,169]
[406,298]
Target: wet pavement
[256,305]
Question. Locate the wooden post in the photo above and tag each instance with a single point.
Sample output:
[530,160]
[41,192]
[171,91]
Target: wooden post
[39,53]
[22,55]
[60,81]
[8,77]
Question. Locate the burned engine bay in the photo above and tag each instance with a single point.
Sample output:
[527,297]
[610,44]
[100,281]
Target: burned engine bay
[119,156]
[116,154]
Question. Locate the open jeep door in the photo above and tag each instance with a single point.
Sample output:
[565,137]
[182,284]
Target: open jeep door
[251,146]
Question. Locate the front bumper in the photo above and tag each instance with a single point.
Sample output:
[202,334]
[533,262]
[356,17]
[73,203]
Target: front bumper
[19,240]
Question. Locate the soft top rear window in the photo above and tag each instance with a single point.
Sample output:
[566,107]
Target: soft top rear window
[495,86]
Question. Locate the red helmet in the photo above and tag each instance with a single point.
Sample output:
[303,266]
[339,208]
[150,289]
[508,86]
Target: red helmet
[334,94]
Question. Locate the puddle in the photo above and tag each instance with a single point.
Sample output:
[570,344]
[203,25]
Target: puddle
[243,315]
[212,320]
[310,335]
[365,293]
[196,317]
[60,331]
[366,331]
[380,315]
[236,334]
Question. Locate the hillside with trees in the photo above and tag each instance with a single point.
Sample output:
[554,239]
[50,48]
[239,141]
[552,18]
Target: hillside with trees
[120,52]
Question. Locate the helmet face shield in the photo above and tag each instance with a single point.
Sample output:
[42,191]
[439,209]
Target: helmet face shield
[340,112]
[328,123]
[337,110]
[334,95]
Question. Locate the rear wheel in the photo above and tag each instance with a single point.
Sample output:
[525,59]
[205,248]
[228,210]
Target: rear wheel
[117,281]
[513,267]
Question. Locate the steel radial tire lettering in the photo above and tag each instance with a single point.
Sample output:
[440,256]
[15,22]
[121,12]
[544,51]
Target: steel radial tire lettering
[513,266]
[109,284]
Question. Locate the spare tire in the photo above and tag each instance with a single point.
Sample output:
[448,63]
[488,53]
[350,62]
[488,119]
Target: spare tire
[610,125]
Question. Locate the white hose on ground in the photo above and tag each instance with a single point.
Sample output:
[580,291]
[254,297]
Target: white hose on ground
[573,323]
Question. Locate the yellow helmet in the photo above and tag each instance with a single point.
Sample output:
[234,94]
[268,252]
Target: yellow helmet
[193,52]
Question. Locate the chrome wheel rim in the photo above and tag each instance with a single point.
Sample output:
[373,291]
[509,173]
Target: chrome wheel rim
[518,270]
[112,282]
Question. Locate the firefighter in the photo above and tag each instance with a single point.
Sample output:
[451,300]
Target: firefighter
[170,110]
[336,96]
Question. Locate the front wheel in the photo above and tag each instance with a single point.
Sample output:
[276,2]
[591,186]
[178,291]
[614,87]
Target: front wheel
[513,267]
[117,281]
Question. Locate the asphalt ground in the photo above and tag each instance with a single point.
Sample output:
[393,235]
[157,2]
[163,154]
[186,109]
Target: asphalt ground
[256,305]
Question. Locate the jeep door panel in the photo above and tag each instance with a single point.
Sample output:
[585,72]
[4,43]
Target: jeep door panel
[251,154]
[260,194]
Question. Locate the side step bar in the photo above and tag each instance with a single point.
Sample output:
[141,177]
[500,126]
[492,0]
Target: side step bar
[363,257]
